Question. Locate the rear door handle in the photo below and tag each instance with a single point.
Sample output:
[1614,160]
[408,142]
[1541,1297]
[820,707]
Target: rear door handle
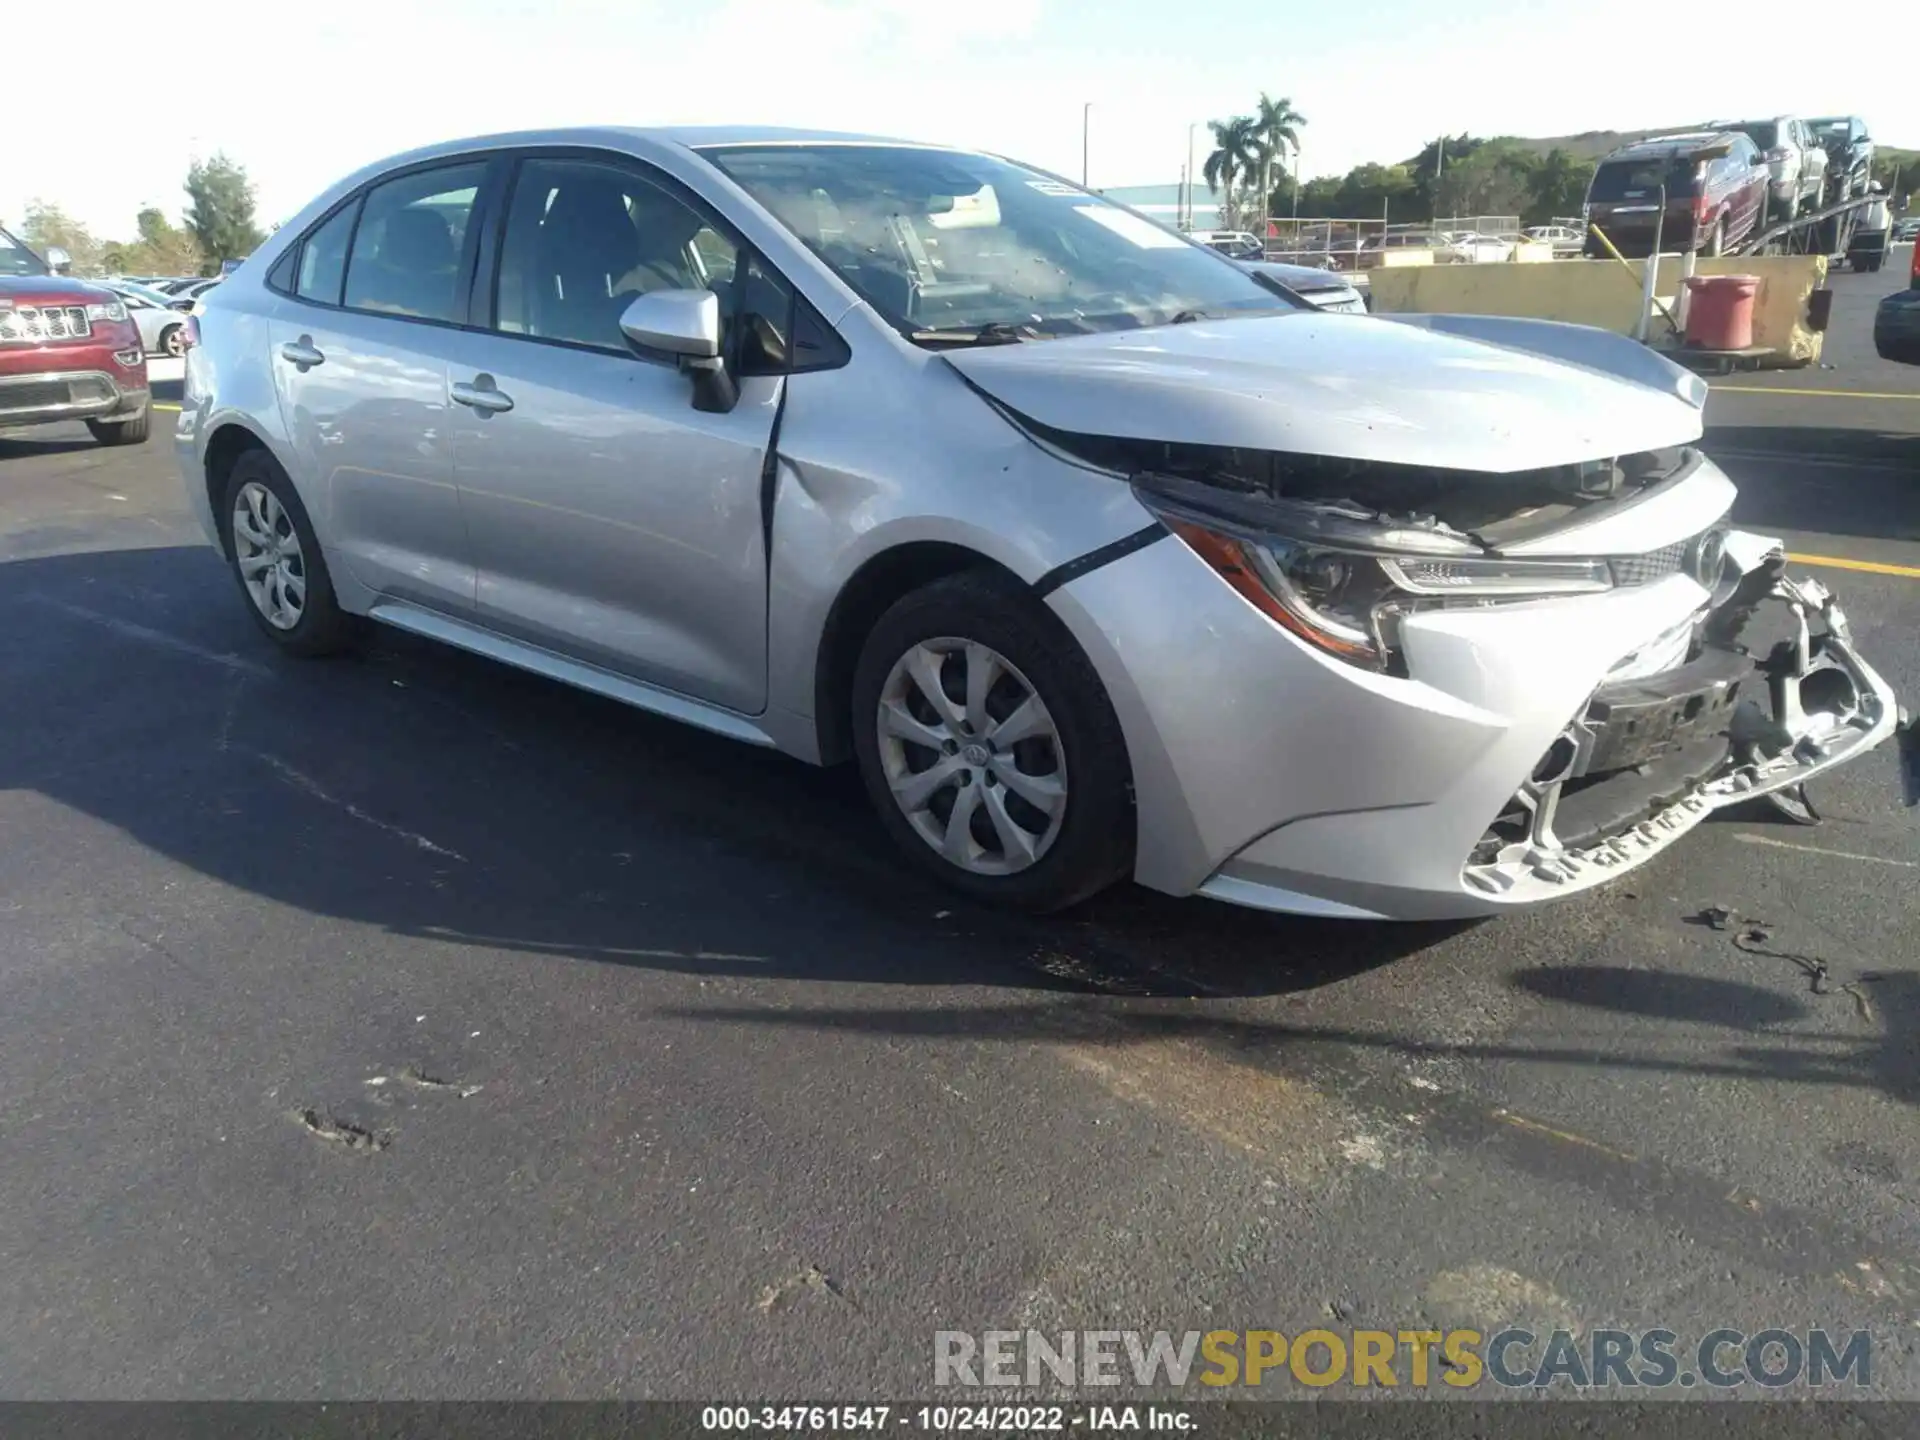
[301,352]
[483,395]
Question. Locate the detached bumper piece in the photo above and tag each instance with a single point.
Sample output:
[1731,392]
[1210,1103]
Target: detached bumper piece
[1649,758]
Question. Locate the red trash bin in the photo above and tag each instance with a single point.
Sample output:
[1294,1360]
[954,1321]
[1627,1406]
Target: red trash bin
[1720,312]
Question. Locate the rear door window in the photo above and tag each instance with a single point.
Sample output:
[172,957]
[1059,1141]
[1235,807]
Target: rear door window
[406,252]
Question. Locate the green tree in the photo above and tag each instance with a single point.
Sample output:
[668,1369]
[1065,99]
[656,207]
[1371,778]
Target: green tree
[1898,170]
[1435,160]
[1276,128]
[46,227]
[1234,158]
[221,213]
[1368,189]
[163,247]
[1323,195]
[1558,187]
[1495,179]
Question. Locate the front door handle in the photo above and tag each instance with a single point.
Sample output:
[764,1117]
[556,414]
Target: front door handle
[483,395]
[301,352]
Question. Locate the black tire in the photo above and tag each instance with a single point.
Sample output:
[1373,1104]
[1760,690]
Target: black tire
[323,627]
[1717,241]
[173,341]
[1094,844]
[123,432]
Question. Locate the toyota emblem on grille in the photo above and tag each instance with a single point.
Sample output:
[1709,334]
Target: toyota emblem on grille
[1707,556]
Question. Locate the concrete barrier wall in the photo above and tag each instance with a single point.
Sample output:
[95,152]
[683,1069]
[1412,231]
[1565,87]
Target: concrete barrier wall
[1607,294]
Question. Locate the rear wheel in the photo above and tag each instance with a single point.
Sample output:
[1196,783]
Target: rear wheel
[276,559]
[174,341]
[1717,241]
[122,432]
[988,745]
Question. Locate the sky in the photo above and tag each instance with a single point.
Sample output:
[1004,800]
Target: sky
[305,91]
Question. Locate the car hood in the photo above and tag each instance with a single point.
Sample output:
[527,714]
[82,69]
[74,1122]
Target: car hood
[50,290]
[1335,385]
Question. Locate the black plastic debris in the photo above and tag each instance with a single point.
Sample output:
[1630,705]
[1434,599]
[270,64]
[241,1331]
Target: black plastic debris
[1794,803]
[1718,917]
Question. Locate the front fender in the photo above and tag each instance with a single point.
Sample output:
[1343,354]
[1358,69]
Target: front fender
[1587,346]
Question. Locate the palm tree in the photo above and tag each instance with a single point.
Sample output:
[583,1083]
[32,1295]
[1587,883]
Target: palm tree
[1235,154]
[1275,125]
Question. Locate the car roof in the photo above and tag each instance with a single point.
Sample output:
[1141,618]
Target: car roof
[1662,146]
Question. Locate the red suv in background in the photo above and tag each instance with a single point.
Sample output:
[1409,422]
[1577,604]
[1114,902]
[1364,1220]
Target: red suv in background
[68,351]
[1715,183]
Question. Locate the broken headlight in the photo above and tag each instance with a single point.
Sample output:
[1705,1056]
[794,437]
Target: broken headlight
[1347,601]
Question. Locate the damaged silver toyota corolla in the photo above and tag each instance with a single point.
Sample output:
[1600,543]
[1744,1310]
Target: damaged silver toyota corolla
[1098,553]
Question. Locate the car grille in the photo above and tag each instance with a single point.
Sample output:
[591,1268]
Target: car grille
[1652,566]
[39,395]
[30,324]
[1701,556]
[74,390]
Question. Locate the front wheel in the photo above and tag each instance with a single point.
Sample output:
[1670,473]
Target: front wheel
[122,432]
[277,561]
[174,342]
[989,747]
[1717,241]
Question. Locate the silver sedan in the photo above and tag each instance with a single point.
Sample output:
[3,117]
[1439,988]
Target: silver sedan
[1099,556]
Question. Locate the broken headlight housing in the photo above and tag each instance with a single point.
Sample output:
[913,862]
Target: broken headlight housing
[1342,582]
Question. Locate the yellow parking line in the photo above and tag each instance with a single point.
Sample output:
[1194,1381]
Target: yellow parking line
[1829,394]
[158,406]
[1871,567]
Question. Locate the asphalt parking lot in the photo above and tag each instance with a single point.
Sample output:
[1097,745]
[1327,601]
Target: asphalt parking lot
[406,1026]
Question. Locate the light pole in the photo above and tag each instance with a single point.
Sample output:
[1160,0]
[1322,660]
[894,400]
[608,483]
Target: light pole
[1086,122]
[1189,200]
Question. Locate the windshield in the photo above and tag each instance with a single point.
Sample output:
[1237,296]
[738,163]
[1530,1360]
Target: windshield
[17,259]
[1642,179]
[1830,129]
[940,240]
[1763,133]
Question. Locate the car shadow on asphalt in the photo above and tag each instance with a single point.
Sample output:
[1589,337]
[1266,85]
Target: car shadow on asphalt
[1887,1061]
[29,446]
[432,794]
[1822,480]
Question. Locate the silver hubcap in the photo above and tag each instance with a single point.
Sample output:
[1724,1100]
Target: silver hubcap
[972,756]
[175,345]
[266,547]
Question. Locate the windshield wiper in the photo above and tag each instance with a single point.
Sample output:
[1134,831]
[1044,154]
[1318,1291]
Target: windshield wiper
[1187,317]
[994,332]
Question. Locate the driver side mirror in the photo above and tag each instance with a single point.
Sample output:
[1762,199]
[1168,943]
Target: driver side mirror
[686,325]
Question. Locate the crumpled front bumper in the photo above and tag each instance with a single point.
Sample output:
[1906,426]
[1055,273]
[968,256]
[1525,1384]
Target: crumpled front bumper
[1823,706]
[1803,706]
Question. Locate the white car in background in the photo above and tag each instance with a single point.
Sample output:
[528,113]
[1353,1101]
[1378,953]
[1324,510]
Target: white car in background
[163,329]
[1564,239]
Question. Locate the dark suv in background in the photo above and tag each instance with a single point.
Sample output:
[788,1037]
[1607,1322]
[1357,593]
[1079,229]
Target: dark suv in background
[1716,191]
[68,351]
[1849,155]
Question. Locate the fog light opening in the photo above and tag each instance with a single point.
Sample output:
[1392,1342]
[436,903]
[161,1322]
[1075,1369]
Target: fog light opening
[1829,691]
[1557,763]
